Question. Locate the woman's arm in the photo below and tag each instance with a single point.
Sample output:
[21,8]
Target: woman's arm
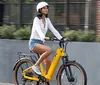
[54,31]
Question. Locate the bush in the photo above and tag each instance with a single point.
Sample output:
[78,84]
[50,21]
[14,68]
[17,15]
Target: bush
[23,33]
[85,36]
[1,30]
[6,32]
[70,34]
[97,39]
[49,34]
[10,32]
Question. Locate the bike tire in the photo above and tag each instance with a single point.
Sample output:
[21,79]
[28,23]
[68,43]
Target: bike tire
[18,78]
[61,77]
[25,82]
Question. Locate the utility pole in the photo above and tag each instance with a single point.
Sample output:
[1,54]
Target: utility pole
[65,11]
[86,23]
[20,14]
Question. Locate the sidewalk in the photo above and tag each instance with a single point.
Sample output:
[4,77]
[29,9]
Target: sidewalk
[6,84]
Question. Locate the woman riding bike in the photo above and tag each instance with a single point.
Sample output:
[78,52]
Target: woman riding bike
[40,27]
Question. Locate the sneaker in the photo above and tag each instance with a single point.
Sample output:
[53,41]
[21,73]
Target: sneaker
[36,69]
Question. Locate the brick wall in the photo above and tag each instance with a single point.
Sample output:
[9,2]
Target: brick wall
[98,18]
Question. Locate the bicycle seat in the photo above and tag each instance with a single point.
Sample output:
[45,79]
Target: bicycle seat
[35,53]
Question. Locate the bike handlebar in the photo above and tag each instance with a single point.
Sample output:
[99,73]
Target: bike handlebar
[61,41]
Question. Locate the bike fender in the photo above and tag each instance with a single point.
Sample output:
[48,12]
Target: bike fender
[71,61]
[19,61]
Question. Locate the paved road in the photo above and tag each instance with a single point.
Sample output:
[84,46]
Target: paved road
[6,84]
[51,83]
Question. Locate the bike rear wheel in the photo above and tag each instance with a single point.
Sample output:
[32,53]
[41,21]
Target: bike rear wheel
[18,77]
[17,73]
[76,74]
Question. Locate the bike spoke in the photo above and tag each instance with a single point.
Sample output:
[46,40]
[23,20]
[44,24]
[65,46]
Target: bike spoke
[72,74]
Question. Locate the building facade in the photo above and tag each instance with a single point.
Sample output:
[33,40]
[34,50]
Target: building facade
[64,14]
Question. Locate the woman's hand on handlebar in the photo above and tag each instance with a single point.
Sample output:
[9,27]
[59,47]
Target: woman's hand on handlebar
[62,40]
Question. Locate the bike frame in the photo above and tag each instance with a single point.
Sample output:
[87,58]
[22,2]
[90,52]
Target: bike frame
[59,53]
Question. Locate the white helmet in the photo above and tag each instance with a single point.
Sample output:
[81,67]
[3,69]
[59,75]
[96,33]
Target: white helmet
[41,5]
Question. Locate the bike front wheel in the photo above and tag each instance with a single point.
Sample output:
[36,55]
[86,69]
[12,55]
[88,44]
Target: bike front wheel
[71,74]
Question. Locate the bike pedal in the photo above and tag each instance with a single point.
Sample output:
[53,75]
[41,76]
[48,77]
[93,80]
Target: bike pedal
[30,74]
[43,79]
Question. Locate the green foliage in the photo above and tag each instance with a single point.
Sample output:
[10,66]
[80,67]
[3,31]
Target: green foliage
[1,30]
[6,32]
[98,39]
[23,33]
[71,34]
[49,34]
[85,36]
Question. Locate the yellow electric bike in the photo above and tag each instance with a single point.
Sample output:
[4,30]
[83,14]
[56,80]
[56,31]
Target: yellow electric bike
[69,73]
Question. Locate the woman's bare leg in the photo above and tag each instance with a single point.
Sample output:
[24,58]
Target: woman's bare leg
[44,52]
[47,63]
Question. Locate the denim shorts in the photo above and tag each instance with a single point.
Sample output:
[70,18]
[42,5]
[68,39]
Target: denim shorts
[34,42]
